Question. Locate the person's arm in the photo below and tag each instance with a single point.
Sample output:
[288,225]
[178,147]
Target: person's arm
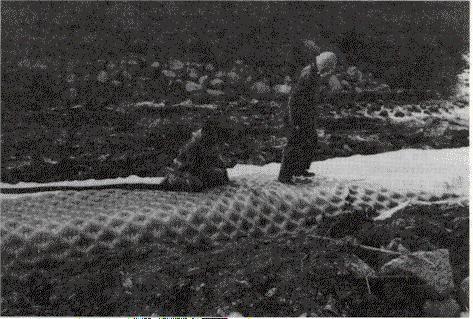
[188,154]
[296,95]
[334,84]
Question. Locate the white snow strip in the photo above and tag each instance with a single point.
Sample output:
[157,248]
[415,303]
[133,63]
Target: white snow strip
[151,104]
[186,103]
[433,171]
[436,171]
[15,196]
[132,179]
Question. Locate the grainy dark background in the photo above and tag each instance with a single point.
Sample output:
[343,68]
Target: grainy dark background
[408,44]
[60,121]
[63,119]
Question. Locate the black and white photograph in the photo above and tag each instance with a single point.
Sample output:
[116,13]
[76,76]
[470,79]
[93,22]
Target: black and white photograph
[234,158]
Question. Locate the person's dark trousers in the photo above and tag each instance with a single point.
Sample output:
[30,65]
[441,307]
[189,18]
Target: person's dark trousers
[300,150]
[308,146]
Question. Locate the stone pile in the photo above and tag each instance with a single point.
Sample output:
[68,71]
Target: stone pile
[107,81]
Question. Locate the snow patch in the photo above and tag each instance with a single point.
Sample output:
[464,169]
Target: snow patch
[434,171]
[463,85]
[150,104]
[130,180]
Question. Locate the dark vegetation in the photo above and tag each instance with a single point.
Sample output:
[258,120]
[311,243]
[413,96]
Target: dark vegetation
[254,277]
[408,44]
[56,129]
[60,122]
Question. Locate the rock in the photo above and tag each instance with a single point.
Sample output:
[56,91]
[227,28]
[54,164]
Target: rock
[347,148]
[282,89]
[343,264]
[192,86]
[358,267]
[25,63]
[127,283]
[271,292]
[353,74]
[345,85]
[175,65]
[39,65]
[102,76]
[441,308]
[216,83]
[144,78]
[395,245]
[435,128]
[111,66]
[169,74]
[215,92]
[358,90]
[155,64]
[235,314]
[433,267]
[384,113]
[71,78]
[260,87]
[233,76]
[193,73]
[126,75]
[382,88]
[330,306]
[202,79]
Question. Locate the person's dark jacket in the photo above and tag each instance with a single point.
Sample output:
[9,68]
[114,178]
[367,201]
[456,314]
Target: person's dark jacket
[304,98]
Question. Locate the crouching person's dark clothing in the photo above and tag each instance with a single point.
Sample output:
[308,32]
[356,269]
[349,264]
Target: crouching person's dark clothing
[196,167]
[302,134]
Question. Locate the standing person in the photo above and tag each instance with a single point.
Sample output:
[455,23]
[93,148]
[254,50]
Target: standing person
[305,96]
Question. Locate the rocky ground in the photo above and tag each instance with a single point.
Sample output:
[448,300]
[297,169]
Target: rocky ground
[117,118]
[120,117]
[412,264]
[142,139]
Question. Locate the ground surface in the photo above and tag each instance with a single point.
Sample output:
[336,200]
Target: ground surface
[42,146]
[289,276]
[255,278]
[129,114]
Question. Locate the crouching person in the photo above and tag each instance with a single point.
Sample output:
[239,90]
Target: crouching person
[199,164]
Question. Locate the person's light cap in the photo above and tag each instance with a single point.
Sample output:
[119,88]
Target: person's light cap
[326,62]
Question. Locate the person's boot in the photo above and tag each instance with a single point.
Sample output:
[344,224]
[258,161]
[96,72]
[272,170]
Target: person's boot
[286,180]
[285,177]
[305,173]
